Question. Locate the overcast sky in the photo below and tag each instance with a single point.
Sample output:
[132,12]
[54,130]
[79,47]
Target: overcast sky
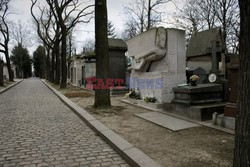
[21,12]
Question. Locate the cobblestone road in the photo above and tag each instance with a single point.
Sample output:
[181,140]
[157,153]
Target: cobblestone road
[37,129]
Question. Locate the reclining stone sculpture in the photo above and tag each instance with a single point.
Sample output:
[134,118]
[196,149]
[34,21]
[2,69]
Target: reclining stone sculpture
[141,59]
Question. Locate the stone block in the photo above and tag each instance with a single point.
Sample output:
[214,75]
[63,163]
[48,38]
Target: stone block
[200,94]
[229,122]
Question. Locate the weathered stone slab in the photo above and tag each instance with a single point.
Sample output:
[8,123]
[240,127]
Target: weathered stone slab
[169,122]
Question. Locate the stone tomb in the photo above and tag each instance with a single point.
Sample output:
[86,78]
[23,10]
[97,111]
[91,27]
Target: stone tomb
[198,102]
[117,65]
[117,59]
[158,56]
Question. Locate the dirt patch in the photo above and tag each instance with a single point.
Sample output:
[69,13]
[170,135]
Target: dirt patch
[105,112]
[77,94]
[196,147]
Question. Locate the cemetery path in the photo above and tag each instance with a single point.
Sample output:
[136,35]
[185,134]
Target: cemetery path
[37,129]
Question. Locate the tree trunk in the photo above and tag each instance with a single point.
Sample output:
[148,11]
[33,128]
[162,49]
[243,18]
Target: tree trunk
[63,56]
[48,65]
[69,59]
[102,96]
[1,73]
[149,14]
[7,57]
[56,51]
[52,79]
[242,131]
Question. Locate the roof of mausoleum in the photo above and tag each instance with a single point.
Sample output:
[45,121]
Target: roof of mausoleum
[200,42]
[117,44]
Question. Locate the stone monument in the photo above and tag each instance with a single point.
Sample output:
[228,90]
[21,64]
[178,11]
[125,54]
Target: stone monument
[158,62]
[117,59]
[200,72]
[198,102]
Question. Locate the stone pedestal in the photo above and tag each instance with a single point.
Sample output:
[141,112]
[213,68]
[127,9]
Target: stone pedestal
[159,57]
[230,109]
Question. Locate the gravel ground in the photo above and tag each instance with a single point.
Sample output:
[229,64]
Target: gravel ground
[196,147]
[37,129]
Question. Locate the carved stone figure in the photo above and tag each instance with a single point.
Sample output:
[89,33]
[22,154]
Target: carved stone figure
[158,63]
[141,61]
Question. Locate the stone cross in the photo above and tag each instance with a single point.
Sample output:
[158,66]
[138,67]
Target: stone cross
[214,50]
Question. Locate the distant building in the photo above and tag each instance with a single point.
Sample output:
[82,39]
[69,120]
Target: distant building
[81,67]
[200,50]
[84,66]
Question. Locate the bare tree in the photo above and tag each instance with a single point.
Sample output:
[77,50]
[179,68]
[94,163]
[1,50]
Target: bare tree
[242,131]
[200,13]
[49,32]
[70,48]
[102,94]
[63,11]
[21,34]
[89,47]
[207,14]
[143,15]
[227,13]
[111,30]
[4,30]
[3,3]
[46,32]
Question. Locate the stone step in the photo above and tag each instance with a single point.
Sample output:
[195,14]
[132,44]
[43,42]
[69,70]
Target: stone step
[198,112]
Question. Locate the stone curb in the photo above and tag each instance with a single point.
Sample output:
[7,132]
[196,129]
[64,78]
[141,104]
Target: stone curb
[127,151]
[7,88]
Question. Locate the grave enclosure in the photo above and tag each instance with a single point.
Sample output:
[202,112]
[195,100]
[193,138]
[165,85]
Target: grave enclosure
[160,54]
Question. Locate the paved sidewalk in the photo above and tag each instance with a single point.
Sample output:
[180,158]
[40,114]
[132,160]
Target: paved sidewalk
[37,129]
